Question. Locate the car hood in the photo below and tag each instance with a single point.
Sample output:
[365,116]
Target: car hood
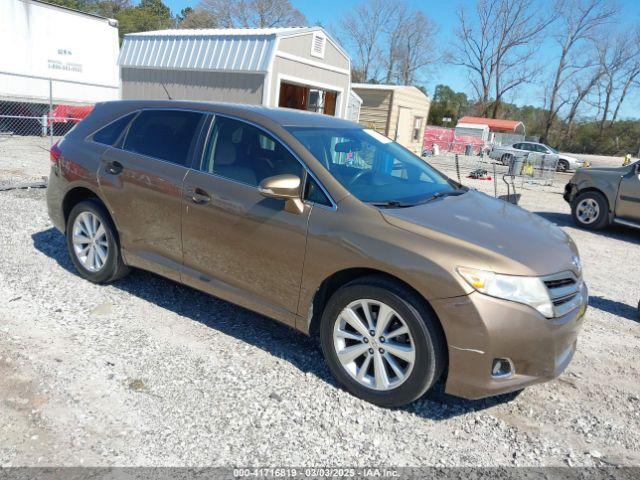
[569,157]
[609,170]
[500,236]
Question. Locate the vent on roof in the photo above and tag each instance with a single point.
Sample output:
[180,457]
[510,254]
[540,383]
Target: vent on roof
[318,44]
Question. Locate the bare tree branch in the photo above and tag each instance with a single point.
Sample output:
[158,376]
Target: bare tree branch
[253,13]
[579,19]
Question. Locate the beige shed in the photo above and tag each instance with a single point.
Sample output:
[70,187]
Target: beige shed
[398,111]
[296,67]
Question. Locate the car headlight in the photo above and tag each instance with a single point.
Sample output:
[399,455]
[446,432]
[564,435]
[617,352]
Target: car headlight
[527,290]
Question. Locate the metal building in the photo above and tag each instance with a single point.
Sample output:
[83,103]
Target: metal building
[398,111]
[300,67]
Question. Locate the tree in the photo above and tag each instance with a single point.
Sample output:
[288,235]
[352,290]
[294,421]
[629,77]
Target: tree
[148,15]
[415,49]
[198,18]
[389,41]
[82,5]
[109,8]
[363,30]
[253,13]
[497,47]
[579,20]
[395,31]
[447,103]
[106,8]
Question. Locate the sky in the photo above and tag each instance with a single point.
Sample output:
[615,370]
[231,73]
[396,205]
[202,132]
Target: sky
[443,13]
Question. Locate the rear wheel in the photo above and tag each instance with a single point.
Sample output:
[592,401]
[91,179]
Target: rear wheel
[93,244]
[506,159]
[380,342]
[591,210]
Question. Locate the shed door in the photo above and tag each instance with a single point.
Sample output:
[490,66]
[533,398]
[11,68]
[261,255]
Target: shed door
[403,129]
[307,98]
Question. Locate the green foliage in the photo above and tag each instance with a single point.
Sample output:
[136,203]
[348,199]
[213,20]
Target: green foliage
[83,5]
[155,8]
[148,15]
[621,138]
[448,103]
[184,13]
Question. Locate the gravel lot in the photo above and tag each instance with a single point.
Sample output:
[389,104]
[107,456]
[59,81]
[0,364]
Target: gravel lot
[147,372]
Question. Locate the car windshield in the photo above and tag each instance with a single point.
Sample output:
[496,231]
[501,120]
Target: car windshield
[373,168]
[553,149]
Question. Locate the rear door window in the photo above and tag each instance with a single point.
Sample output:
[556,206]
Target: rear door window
[110,134]
[164,134]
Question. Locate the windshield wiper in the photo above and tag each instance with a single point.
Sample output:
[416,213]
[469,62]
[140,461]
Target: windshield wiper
[391,204]
[435,196]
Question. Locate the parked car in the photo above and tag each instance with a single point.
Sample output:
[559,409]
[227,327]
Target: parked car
[601,196]
[330,228]
[508,152]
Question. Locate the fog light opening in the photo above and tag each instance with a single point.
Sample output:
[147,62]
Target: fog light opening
[502,368]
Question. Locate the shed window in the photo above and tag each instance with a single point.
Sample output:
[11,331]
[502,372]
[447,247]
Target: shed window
[417,128]
[318,44]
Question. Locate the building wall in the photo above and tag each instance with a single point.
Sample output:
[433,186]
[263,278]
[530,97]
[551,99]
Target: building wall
[374,112]
[41,42]
[288,70]
[419,104]
[147,84]
[300,46]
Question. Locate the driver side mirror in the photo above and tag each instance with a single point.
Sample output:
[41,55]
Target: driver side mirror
[284,187]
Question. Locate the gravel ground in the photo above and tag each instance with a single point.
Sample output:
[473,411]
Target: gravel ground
[147,372]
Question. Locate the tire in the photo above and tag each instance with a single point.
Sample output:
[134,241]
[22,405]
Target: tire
[103,269]
[590,210]
[424,337]
[506,159]
[563,166]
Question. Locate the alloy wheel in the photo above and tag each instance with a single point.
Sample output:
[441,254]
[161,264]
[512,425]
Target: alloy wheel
[90,242]
[374,345]
[588,211]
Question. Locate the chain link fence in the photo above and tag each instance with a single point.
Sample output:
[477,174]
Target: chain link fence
[32,119]
[508,182]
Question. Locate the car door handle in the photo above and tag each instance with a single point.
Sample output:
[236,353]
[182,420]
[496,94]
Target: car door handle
[200,197]
[114,167]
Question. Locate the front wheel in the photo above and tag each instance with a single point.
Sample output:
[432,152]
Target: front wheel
[93,244]
[563,166]
[591,210]
[383,344]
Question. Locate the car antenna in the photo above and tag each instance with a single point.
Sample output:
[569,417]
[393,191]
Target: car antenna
[166,91]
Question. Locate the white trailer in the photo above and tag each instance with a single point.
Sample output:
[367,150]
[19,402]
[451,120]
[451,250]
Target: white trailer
[55,54]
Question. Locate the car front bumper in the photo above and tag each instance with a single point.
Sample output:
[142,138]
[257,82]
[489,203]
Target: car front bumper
[570,192]
[480,329]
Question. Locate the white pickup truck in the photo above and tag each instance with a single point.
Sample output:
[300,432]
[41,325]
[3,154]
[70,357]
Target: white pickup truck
[505,153]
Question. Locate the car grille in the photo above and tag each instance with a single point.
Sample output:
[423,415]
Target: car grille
[564,290]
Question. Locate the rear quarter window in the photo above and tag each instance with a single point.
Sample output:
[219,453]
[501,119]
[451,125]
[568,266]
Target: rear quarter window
[110,134]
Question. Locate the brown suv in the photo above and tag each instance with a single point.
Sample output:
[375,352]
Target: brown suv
[329,228]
